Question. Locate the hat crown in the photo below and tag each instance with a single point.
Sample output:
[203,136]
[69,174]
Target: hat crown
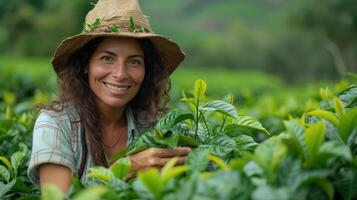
[109,13]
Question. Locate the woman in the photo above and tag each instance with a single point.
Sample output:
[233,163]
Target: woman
[114,81]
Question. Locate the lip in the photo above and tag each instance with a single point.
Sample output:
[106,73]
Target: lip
[116,92]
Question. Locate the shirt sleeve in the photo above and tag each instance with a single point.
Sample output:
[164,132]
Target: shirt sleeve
[51,144]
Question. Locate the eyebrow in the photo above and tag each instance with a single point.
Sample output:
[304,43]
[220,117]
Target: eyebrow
[114,54]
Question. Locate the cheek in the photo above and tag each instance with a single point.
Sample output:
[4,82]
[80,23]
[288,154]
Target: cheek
[96,73]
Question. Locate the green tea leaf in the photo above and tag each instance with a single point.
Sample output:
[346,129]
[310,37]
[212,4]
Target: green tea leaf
[174,172]
[269,154]
[219,162]
[118,154]
[171,141]
[151,180]
[221,107]
[171,119]
[220,145]
[348,124]
[9,98]
[337,149]
[199,89]
[6,162]
[16,159]
[338,106]
[121,168]
[52,192]
[245,142]
[4,188]
[187,141]
[329,116]
[101,173]
[197,160]
[297,133]
[4,173]
[169,171]
[314,136]
[243,125]
[268,192]
[91,193]
[349,96]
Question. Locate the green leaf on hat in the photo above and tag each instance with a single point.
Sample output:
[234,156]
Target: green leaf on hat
[132,25]
[115,28]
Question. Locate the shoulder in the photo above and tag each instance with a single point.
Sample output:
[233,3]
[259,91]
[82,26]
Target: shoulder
[66,114]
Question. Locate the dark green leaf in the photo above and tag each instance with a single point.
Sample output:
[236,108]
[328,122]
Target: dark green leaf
[197,160]
[221,107]
[4,188]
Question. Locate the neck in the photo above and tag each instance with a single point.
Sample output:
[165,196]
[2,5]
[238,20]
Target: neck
[111,116]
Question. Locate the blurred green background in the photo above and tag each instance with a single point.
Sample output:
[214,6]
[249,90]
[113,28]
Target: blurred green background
[249,48]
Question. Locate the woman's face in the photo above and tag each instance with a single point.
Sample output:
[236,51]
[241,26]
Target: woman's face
[116,71]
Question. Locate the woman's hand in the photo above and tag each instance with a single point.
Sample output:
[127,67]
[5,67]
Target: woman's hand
[156,157]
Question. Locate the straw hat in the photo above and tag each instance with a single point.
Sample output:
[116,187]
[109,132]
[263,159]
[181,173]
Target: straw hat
[118,18]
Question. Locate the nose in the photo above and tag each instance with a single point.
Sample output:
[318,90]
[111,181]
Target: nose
[119,71]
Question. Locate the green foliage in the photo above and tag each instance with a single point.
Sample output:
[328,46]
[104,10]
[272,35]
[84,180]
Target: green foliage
[234,156]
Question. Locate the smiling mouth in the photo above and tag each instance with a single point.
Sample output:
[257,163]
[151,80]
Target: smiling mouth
[116,88]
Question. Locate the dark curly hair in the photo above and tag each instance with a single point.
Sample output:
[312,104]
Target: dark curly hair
[151,99]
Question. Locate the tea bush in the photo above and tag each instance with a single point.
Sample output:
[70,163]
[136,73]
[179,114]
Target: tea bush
[307,152]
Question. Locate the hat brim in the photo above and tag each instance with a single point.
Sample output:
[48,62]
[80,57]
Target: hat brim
[171,54]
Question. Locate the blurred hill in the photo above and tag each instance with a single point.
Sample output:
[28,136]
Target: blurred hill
[267,35]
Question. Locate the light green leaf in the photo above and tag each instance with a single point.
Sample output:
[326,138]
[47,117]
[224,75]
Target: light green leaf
[16,159]
[221,107]
[199,89]
[52,192]
[219,162]
[9,113]
[297,133]
[337,149]
[348,123]
[269,155]
[121,168]
[6,162]
[101,173]
[91,193]
[9,98]
[268,192]
[152,182]
[169,171]
[338,106]
[4,173]
[314,136]
[329,116]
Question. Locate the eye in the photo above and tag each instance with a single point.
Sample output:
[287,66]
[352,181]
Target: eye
[135,61]
[107,59]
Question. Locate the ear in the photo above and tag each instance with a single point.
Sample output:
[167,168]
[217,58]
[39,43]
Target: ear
[86,70]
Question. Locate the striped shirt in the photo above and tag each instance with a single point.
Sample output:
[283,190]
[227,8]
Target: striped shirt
[57,140]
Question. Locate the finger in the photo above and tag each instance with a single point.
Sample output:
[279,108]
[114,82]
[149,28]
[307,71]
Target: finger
[163,161]
[168,153]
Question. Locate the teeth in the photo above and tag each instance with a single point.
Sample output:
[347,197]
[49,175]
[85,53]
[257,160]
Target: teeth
[116,87]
